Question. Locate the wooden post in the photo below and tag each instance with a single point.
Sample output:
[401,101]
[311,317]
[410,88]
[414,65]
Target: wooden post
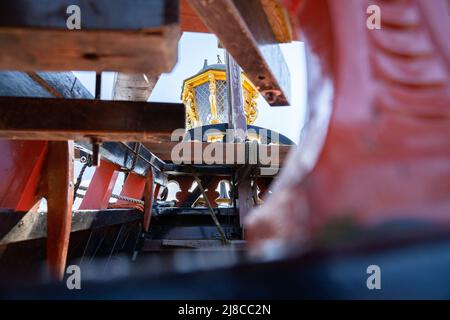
[59,194]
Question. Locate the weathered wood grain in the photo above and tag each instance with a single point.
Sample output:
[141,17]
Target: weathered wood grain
[114,36]
[80,119]
[23,226]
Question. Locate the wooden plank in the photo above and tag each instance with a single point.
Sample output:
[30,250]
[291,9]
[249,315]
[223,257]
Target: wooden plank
[64,50]
[244,31]
[70,119]
[276,13]
[23,226]
[21,84]
[133,87]
[114,36]
[279,21]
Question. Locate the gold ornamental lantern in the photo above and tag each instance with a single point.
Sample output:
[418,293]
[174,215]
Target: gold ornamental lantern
[205,97]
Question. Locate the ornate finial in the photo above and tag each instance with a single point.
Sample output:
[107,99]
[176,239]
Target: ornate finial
[205,64]
[218,59]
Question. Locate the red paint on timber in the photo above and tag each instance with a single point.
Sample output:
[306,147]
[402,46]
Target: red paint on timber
[133,188]
[101,187]
[20,169]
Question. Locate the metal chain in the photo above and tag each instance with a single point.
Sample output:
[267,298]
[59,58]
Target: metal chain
[88,163]
[115,196]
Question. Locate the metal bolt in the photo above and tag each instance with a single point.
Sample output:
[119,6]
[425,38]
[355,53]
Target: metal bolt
[271,95]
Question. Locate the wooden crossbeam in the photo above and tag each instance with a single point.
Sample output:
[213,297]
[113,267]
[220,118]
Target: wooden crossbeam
[127,36]
[245,32]
[276,13]
[79,119]
[22,226]
[42,85]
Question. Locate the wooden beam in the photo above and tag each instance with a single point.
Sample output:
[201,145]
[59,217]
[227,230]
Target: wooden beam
[23,226]
[133,87]
[65,84]
[114,36]
[244,30]
[42,85]
[64,50]
[70,119]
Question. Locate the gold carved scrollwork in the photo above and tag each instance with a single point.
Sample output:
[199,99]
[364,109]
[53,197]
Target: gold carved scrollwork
[191,109]
[251,107]
[212,76]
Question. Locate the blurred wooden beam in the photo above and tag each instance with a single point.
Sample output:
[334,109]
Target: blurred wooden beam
[276,13]
[189,20]
[114,36]
[42,85]
[59,195]
[245,32]
[80,119]
[279,21]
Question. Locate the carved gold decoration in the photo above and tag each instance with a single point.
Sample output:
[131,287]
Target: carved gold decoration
[212,76]
[250,106]
[212,98]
